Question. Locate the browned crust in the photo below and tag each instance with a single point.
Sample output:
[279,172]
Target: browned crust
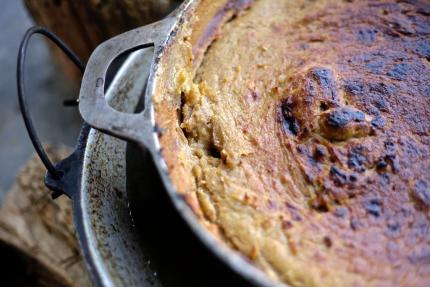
[212,29]
[338,175]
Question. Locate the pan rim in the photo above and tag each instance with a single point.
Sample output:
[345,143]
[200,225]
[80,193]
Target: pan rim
[95,261]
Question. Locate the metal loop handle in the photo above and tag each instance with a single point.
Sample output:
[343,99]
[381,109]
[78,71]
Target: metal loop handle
[56,174]
[92,103]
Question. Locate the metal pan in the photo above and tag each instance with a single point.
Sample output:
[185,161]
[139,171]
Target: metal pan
[153,246]
[97,187]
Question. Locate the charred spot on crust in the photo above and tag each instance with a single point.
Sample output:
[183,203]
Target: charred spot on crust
[401,25]
[390,148]
[393,228]
[373,98]
[327,241]
[320,152]
[390,156]
[367,35]
[381,164]
[320,205]
[354,88]
[373,207]
[421,192]
[344,123]
[338,176]
[378,122]
[386,161]
[381,103]
[341,179]
[313,92]
[385,179]
[383,89]
[376,66]
[399,72]
[422,48]
[356,159]
[424,9]
[323,107]
[325,80]
[323,75]
[290,123]
[341,117]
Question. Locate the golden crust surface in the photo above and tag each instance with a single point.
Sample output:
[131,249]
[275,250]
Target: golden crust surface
[302,140]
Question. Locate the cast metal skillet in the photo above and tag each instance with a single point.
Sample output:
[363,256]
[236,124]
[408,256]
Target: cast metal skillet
[69,177]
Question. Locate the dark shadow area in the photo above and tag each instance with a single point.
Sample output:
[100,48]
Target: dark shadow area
[19,270]
[175,252]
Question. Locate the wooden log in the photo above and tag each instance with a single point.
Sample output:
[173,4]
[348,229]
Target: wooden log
[40,232]
[83,24]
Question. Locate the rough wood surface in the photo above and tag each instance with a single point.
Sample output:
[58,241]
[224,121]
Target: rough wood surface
[83,24]
[41,229]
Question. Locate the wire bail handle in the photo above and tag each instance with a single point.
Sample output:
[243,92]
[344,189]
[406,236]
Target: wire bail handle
[22,98]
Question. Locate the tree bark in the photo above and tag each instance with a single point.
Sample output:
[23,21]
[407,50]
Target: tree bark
[83,24]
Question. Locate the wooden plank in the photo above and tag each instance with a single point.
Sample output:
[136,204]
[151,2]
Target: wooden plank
[41,229]
[83,24]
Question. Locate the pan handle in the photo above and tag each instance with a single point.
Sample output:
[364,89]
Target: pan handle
[92,104]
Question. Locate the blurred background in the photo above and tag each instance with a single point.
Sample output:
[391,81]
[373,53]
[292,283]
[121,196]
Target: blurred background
[47,87]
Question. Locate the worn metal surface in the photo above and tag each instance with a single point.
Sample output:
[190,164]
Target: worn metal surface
[102,214]
[155,247]
[93,106]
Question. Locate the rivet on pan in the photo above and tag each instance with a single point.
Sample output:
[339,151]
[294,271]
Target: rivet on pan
[99,82]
